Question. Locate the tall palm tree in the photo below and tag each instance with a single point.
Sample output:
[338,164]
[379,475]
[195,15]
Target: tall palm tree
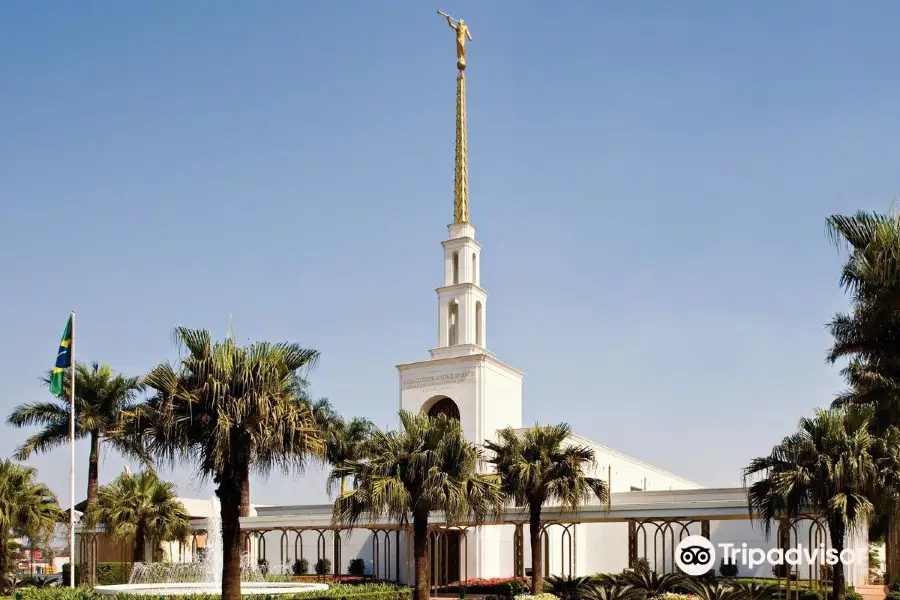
[101,395]
[829,468]
[427,466]
[24,502]
[869,336]
[225,407]
[540,466]
[349,443]
[142,507]
[300,385]
[345,441]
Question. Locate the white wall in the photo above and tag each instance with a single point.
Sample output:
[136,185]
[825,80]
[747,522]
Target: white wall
[500,399]
[487,392]
[628,472]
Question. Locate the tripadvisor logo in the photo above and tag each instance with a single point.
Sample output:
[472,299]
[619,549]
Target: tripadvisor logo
[695,555]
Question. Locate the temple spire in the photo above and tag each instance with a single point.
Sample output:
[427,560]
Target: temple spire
[461,170]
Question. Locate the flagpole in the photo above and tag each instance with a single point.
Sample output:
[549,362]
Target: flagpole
[72,455]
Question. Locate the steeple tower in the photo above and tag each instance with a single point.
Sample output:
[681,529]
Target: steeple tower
[461,300]
[462,380]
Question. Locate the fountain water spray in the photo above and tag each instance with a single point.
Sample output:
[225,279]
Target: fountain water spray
[204,576]
[212,561]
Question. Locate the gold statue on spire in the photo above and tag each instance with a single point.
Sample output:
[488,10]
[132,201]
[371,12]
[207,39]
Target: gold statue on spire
[462,34]
[461,166]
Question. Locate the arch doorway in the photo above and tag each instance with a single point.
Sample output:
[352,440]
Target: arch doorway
[442,405]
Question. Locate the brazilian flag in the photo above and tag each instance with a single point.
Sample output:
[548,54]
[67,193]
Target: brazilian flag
[63,360]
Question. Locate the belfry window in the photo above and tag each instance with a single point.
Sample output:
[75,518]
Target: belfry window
[453,324]
[479,326]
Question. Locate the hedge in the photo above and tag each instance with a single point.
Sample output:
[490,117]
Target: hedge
[108,573]
[369,591]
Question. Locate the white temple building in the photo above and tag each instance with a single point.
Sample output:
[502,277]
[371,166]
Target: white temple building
[650,510]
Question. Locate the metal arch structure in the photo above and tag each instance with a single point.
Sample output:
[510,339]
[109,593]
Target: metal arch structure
[385,551]
[789,536]
[656,521]
[667,533]
[567,548]
[440,552]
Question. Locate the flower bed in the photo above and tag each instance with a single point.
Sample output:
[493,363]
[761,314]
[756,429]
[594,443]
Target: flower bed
[495,586]
[348,579]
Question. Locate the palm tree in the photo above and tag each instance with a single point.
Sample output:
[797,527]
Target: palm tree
[650,583]
[24,503]
[300,384]
[539,467]
[223,408]
[829,468]
[345,441]
[869,336]
[349,443]
[101,395]
[143,507]
[427,466]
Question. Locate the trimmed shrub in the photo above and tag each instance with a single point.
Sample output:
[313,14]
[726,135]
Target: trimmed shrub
[854,596]
[728,569]
[893,596]
[323,566]
[357,566]
[300,566]
[811,595]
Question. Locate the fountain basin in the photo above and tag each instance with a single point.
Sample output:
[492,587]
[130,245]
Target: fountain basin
[248,588]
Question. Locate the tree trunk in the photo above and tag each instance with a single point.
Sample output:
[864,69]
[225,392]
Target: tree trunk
[4,535]
[229,492]
[837,531]
[343,485]
[537,563]
[245,498]
[892,550]
[90,512]
[140,543]
[420,553]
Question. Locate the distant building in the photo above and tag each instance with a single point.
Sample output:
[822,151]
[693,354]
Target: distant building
[110,549]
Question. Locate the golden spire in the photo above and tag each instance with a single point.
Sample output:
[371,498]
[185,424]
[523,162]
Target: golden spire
[461,171]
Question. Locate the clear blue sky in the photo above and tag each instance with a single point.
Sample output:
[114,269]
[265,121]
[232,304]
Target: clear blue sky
[649,180]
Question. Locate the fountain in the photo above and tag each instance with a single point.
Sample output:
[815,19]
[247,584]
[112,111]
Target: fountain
[204,576]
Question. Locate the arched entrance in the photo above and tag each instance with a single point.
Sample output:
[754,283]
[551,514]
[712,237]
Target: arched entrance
[441,405]
[446,545]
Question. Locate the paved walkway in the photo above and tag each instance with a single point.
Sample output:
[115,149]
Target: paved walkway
[872,592]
